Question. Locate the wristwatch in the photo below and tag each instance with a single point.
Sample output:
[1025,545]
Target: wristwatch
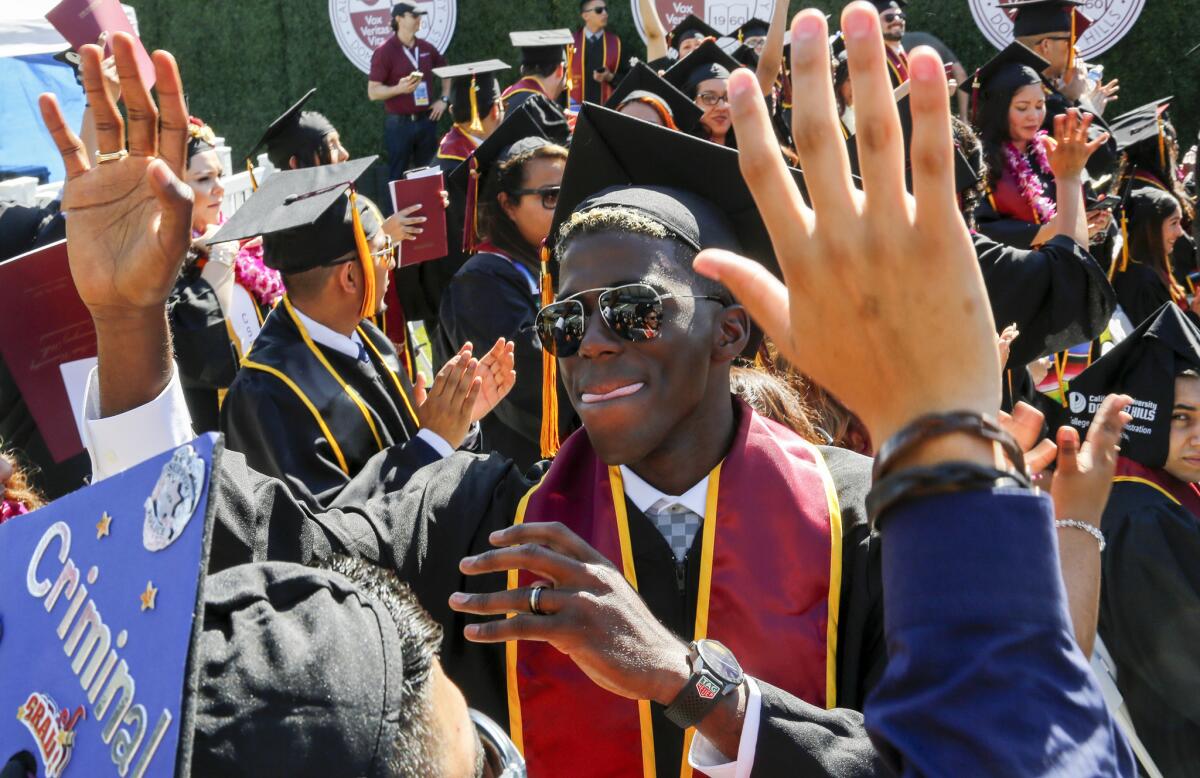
[715,673]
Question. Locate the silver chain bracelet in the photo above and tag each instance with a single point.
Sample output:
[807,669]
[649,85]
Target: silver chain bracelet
[1083,525]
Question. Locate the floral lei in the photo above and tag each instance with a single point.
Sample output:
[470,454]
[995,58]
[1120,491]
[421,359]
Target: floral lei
[252,275]
[1017,165]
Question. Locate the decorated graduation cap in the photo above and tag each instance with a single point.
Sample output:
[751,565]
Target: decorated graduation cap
[541,47]
[473,90]
[309,218]
[295,132]
[1044,17]
[753,28]
[691,26]
[1141,124]
[1144,366]
[101,599]
[1016,65]
[704,64]
[692,188]
[535,121]
[642,82]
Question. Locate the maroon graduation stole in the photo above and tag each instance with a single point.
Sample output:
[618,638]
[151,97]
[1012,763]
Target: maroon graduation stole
[456,144]
[1006,199]
[526,84]
[770,583]
[578,68]
[1183,494]
[897,62]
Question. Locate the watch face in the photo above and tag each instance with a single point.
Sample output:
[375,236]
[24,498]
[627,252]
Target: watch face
[720,660]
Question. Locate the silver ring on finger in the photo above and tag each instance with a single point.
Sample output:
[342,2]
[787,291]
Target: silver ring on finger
[110,156]
[535,600]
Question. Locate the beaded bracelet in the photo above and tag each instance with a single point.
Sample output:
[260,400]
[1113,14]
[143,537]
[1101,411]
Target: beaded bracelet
[936,425]
[937,479]
[1083,525]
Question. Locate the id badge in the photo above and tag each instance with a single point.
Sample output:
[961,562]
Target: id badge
[421,94]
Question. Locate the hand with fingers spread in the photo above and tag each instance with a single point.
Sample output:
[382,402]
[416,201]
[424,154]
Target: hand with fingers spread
[1025,424]
[1069,150]
[402,225]
[498,377]
[833,249]
[446,407]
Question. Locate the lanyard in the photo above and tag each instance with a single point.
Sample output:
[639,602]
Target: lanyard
[413,58]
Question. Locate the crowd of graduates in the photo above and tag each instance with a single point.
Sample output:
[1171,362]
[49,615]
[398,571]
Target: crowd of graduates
[796,408]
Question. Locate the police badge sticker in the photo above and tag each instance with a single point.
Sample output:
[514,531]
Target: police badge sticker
[173,502]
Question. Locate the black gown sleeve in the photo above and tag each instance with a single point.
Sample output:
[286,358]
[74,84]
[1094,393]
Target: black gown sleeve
[205,354]
[1140,292]
[1004,229]
[1057,295]
[795,738]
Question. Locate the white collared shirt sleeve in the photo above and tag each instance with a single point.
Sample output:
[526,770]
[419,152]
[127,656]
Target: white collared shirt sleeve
[127,439]
[436,442]
[705,757]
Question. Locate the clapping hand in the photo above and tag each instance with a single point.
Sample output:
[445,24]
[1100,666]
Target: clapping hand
[498,377]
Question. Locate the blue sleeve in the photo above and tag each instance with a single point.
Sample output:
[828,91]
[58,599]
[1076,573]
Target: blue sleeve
[983,674]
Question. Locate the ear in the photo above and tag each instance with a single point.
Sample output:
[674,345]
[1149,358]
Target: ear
[348,278]
[508,206]
[731,333]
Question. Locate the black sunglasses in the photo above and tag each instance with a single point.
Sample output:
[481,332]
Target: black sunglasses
[598,9]
[893,16]
[549,195]
[633,312]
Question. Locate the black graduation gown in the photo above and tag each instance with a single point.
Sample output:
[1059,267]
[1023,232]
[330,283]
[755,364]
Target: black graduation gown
[1005,229]
[489,298]
[1140,291]
[1150,620]
[1105,159]
[207,358]
[266,420]
[446,512]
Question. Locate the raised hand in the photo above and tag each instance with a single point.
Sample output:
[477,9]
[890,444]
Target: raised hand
[498,376]
[896,273]
[1069,150]
[1083,476]
[447,405]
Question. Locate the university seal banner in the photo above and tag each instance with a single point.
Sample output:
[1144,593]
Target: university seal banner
[722,15]
[360,26]
[100,604]
[1111,21]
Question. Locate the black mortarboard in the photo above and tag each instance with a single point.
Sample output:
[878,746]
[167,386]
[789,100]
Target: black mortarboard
[746,56]
[473,84]
[883,5]
[754,28]
[536,118]
[1144,366]
[1039,17]
[302,673]
[541,47]
[691,26]
[705,63]
[1140,124]
[1013,66]
[309,218]
[641,78]
[295,133]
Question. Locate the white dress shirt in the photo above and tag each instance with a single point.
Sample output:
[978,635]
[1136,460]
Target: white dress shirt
[703,755]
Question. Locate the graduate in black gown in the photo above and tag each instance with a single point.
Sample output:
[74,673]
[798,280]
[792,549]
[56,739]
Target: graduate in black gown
[323,390]
[702,76]
[543,66]
[1143,277]
[1151,588]
[496,293]
[648,96]
[642,401]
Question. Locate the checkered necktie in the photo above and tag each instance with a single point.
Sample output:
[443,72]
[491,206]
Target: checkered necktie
[677,524]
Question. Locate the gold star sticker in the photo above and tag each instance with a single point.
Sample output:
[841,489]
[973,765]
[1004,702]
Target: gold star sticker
[148,596]
[66,738]
[102,526]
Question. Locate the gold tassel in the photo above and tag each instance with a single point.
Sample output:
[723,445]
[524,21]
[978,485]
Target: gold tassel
[250,170]
[1124,262]
[549,433]
[476,123]
[1071,55]
[367,310]
[570,56]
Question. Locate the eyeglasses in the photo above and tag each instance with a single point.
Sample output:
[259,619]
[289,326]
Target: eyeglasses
[712,99]
[500,755]
[549,195]
[388,256]
[597,9]
[634,312]
[892,16]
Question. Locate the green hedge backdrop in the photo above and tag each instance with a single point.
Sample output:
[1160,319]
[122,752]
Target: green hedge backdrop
[245,61]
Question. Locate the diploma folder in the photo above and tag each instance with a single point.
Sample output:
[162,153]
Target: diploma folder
[422,186]
[82,21]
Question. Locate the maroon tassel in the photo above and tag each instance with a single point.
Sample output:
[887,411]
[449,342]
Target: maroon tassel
[471,212]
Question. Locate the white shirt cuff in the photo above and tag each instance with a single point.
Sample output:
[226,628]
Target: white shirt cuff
[127,439]
[436,442]
[705,757]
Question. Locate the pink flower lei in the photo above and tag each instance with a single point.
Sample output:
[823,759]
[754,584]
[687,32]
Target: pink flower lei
[1017,165]
[265,284]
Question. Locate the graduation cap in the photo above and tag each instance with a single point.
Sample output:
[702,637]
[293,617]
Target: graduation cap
[295,132]
[883,5]
[1041,17]
[1014,66]
[1144,366]
[745,56]
[536,120]
[705,63]
[101,602]
[643,81]
[754,28]
[1140,124]
[541,47]
[472,84]
[691,26]
[309,218]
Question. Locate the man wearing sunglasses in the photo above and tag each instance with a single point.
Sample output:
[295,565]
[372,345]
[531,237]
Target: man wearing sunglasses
[594,60]
[325,390]
[893,22]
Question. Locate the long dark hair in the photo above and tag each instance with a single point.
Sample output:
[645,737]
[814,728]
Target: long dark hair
[1145,155]
[992,121]
[508,176]
[1148,209]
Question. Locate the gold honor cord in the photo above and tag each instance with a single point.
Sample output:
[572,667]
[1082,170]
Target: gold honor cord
[1133,479]
[337,450]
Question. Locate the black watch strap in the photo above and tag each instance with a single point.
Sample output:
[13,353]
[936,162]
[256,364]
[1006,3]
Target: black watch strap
[703,691]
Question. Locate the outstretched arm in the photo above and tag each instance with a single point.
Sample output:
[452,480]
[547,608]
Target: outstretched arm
[656,38]
[772,57]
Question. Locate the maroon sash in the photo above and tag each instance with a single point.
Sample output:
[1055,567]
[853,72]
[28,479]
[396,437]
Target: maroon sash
[526,84]
[1006,199]
[578,69]
[455,144]
[1186,494]
[772,568]
[897,66]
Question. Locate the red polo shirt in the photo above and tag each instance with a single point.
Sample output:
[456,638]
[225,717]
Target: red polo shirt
[393,61]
